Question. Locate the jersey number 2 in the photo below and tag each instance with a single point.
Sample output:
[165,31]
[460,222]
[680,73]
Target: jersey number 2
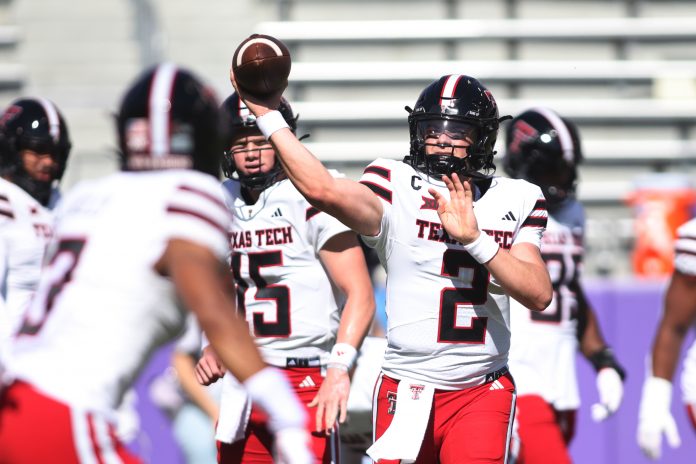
[453,262]
[280,294]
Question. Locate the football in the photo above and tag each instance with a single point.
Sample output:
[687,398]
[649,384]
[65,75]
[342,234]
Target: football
[261,64]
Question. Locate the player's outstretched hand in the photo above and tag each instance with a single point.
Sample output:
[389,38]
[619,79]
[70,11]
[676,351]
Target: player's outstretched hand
[331,400]
[457,214]
[655,418]
[258,104]
[209,369]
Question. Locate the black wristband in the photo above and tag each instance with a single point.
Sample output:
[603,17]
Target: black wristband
[605,358]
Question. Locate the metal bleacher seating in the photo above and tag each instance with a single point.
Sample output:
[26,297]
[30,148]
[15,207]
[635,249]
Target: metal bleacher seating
[12,72]
[629,81]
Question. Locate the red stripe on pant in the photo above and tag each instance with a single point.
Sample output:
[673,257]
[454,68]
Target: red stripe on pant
[691,412]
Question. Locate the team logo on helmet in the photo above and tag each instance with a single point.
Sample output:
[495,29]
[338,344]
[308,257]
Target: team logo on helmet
[10,113]
[521,132]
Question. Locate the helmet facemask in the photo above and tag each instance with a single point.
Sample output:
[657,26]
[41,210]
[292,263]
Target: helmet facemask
[258,180]
[241,123]
[461,105]
[472,135]
[554,175]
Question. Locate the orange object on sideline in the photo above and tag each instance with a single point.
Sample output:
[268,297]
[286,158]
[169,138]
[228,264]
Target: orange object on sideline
[660,210]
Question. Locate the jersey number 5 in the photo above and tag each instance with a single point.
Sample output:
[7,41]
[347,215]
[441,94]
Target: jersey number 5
[280,294]
[476,293]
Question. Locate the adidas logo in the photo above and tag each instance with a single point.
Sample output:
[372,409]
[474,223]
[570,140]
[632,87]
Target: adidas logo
[496,385]
[307,382]
[509,217]
[277,213]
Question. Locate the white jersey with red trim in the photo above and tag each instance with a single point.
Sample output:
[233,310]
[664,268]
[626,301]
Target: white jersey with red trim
[685,262]
[685,248]
[284,290]
[101,308]
[25,229]
[448,319]
[544,344]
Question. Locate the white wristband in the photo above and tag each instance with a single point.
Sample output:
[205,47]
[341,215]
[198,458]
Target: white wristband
[483,249]
[270,390]
[270,123]
[342,356]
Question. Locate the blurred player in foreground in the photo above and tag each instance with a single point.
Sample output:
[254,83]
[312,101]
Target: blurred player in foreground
[130,253]
[288,258]
[544,149]
[655,418]
[437,221]
[34,148]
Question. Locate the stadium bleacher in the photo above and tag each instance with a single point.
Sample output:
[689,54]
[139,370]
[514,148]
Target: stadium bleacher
[623,78]
[624,70]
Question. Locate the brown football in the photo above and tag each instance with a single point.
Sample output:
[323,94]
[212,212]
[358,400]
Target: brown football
[261,64]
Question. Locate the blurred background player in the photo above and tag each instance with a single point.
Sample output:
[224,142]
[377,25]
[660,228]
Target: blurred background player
[445,394]
[129,253]
[34,148]
[655,418]
[192,408]
[544,149]
[288,259]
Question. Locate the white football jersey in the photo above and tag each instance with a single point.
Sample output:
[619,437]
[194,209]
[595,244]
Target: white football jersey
[544,344]
[685,262]
[101,308]
[287,297]
[448,319]
[25,229]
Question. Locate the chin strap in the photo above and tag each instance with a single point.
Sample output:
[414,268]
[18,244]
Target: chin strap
[40,191]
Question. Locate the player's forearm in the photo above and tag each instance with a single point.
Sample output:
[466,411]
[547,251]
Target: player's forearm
[526,282]
[591,340]
[184,366]
[356,319]
[665,352]
[229,336]
[350,202]
[305,171]
[200,281]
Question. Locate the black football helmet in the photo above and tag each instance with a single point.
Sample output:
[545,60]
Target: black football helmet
[33,124]
[544,149]
[461,106]
[242,122]
[169,120]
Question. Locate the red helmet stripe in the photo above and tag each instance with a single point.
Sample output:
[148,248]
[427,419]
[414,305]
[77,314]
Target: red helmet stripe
[159,108]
